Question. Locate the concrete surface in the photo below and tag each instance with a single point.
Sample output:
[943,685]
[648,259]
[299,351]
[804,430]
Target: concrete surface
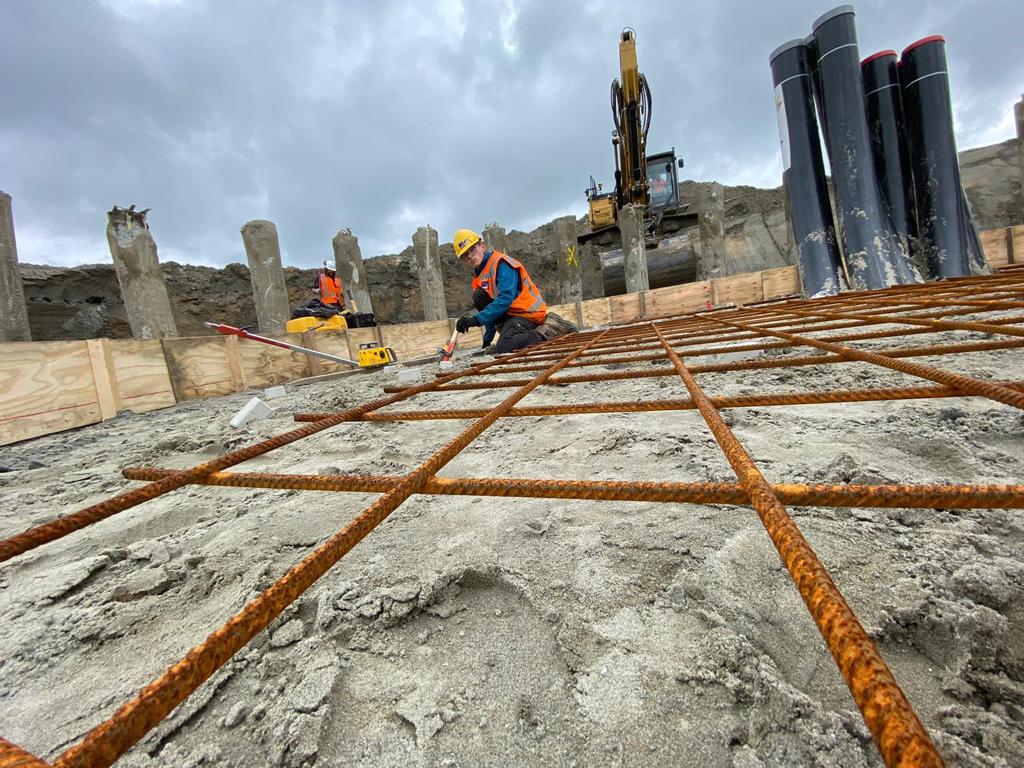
[13,315]
[137,265]
[269,293]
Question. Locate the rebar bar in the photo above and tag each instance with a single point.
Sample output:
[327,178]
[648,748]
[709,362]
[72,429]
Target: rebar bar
[966,384]
[927,496]
[634,406]
[62,526]
[13,756]
[109,740]
[781,326]
[898,733]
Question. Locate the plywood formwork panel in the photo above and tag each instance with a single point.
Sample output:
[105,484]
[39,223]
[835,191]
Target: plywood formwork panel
[678,299]
[737,289]
[625,308]
[777,283]
[332,343]
[411,340]
[1000,245]
[357,336]
[263,365]
[45,387]
[199,367]
[597,312]
[140,371]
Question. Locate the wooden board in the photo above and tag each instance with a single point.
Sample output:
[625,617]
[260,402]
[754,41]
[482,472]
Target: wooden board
[994,243]
[596,312]
[45,387]
[411,340]
[333,343]
[776,283]
[624,308]
[357,336]
[678,299]
[199,367]
[737,289]
[141,374]
[264,366]
[104,379]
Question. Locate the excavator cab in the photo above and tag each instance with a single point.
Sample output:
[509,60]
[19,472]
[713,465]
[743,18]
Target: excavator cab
[663,181]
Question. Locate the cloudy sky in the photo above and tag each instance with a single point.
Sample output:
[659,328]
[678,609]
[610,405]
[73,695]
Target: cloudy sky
[385,116]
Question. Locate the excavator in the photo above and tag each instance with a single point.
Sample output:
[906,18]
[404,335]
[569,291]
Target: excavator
[640,179]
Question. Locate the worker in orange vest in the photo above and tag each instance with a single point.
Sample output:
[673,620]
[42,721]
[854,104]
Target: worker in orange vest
[328,288]
[507,300]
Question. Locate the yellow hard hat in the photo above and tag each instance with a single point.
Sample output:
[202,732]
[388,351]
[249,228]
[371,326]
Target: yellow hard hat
[464,240]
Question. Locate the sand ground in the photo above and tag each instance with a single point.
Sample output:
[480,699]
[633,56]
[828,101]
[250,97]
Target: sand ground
[479,631]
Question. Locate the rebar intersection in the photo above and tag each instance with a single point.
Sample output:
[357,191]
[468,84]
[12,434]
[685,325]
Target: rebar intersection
[777,328]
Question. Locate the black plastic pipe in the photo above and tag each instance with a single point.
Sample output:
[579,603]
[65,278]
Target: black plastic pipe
[943,218]
[804,171]
[889,152]
[871,248]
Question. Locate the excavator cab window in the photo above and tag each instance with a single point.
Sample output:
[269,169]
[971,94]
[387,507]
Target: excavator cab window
[661,179]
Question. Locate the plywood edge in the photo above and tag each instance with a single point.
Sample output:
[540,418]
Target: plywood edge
[108,395]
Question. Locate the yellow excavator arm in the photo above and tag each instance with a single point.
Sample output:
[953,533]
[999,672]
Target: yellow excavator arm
[631,108]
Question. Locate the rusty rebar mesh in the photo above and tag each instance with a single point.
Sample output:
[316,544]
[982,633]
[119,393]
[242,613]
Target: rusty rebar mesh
[971,315]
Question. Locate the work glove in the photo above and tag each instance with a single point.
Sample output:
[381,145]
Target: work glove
[466,322]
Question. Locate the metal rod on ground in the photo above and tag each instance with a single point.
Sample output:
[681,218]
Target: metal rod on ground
[632,406]
[897,731]
[108,741]
[62,526]
[963,496]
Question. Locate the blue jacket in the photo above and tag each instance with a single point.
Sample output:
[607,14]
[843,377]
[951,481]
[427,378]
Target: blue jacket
[508,288]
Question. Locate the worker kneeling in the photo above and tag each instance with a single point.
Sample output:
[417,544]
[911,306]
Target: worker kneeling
[507,301]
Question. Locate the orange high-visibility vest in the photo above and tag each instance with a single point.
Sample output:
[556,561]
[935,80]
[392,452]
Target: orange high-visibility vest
[528,304]
[330,290]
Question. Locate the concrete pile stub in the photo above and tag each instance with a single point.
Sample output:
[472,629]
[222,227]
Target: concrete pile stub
[348,261]
[13,314]
[711,209]
[1018,114]
[428,265]
[495,237]
[634,249]
[269,292]
[567,257]
[137,265]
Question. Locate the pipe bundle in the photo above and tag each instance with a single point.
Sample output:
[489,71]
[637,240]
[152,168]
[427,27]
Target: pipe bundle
[900,208]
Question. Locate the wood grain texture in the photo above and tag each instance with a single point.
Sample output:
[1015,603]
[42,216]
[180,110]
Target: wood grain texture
[737,289]
[264,365]
[411,340]
[141,372]
[678,299]
[776,283]
[45,387]
[199,367]
[107,393]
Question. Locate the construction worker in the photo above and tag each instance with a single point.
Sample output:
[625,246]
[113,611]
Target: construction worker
[507,300]
[330,300]
[328,288]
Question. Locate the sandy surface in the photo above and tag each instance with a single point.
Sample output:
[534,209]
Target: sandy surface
[470,631]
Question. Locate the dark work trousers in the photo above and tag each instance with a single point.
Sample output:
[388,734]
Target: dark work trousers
[513,332]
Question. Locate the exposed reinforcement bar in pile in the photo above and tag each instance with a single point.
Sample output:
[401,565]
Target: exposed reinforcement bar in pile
[904,311]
